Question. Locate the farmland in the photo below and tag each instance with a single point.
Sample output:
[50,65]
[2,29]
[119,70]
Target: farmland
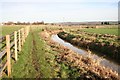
[9,29]
[112,31]
[43,58]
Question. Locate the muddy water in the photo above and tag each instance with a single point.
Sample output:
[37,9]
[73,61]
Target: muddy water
[103,61]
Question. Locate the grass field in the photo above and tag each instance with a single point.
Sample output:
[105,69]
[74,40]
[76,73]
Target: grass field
[8,29]
[103,31]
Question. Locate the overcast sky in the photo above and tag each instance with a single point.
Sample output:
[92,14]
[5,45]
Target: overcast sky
[58,11]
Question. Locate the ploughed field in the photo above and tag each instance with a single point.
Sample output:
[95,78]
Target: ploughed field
[103,41]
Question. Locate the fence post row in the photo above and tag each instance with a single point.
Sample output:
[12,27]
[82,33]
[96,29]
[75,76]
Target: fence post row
[22,33]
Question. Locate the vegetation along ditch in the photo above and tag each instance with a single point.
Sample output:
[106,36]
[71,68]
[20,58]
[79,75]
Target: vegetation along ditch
[106,45]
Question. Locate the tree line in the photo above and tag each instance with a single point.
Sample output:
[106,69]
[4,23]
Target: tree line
[23,23]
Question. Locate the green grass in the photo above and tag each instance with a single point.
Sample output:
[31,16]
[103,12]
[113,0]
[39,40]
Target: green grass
[103,31]
[38,60]
[8,29]
[25,66]
[35,60]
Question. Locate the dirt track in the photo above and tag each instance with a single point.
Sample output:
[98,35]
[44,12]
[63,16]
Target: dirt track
[35,59]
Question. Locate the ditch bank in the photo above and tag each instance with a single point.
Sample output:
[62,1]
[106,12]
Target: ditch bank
[97,58]
[109,51]
[76,65]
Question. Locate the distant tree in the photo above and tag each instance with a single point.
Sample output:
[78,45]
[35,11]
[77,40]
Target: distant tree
[106,23]
[102,23]
[9,23]
[37,23]
[52,23]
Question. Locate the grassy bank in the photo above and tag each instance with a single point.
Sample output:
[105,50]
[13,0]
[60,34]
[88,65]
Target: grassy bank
[112,31]
[102,44]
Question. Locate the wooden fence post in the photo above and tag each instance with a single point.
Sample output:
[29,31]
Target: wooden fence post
[15,41]
[19,40]
[8,54]
[28,30]
[25,32]
[22,35]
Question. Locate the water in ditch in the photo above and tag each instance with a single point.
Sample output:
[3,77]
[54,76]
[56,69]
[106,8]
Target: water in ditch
[104,62]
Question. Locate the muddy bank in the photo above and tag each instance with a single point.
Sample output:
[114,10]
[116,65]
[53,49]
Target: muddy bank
[84,67]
